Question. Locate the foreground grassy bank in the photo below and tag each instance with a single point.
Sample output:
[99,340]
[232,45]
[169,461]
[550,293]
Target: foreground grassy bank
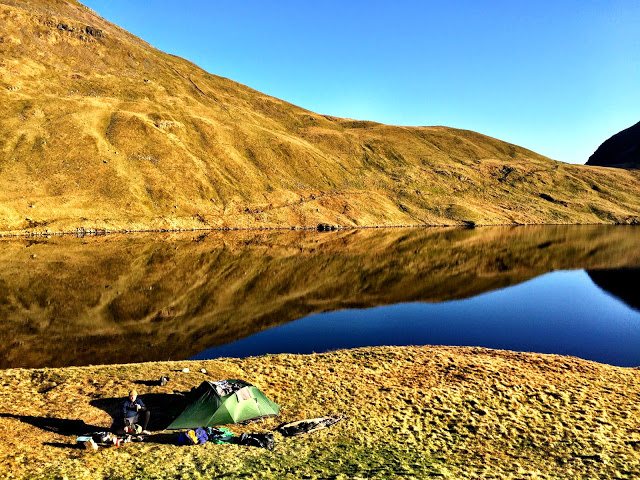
[415,412]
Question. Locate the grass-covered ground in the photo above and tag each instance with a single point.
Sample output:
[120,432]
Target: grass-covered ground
[415,412]
[100,131]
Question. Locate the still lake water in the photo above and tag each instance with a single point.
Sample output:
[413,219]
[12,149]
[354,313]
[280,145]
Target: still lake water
[561,312]
[569,290]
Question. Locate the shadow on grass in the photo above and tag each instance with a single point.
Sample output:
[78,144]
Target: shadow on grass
[77,428]
[163,438]
[61,426]
[164,407]
[148,383]
[162,381]
[71,446]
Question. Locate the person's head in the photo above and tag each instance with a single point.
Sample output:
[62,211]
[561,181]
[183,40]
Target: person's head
[133,395]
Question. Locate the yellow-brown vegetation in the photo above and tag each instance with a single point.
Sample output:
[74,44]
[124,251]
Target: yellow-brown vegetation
[100,131]
[415,412]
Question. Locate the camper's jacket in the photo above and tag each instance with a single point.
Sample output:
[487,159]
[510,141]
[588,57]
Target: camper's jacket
[129,408]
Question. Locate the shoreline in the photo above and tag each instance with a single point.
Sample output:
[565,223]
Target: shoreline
[178,365]
[326,227]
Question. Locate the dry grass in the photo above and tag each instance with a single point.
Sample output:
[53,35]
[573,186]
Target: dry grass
[105,132]
[416,412]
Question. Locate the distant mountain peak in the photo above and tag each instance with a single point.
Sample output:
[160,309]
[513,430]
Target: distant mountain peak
[621,150]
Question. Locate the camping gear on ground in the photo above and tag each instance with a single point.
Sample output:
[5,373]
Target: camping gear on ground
[264,440]
[133,429]
[301,427]
[102,437]
[108,438]
[187,438]
[201,435]
[219,435]
[193,437]
[120,441]
[87,442]
[223,402]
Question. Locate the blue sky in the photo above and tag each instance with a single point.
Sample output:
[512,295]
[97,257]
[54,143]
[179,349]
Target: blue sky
[557,77]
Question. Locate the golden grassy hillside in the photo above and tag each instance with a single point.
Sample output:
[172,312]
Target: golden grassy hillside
[98,130]
[69,301]
[415,412]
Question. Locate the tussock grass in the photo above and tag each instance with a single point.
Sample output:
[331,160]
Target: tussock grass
[415,412]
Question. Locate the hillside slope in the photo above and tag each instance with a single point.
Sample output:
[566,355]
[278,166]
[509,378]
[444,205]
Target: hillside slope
[621,150]
[98,130]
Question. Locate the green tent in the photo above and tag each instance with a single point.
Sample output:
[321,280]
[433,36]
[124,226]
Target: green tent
[222,402]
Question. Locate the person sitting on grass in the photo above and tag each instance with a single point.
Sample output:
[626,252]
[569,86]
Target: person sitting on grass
[133,411]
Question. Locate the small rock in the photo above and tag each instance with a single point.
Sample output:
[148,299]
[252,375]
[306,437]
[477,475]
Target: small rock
[203,370]
[185,370]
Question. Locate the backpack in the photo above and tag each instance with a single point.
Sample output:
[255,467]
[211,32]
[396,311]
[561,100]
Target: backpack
[187,438]
[264,440]
[193,437]
[201,435]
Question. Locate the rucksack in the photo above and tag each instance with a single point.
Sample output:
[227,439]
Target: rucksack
[201,435]
[133,429]
[193,437]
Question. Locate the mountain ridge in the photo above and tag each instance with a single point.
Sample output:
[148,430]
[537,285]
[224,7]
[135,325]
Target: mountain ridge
[101,131]
[620,150]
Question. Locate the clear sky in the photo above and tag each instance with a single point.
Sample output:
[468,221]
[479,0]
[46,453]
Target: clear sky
[556,76]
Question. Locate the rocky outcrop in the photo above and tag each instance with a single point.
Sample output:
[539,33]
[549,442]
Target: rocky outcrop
[621,150]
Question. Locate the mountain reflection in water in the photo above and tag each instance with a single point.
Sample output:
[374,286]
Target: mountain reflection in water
[561,312]
[623,283]
[118,299]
